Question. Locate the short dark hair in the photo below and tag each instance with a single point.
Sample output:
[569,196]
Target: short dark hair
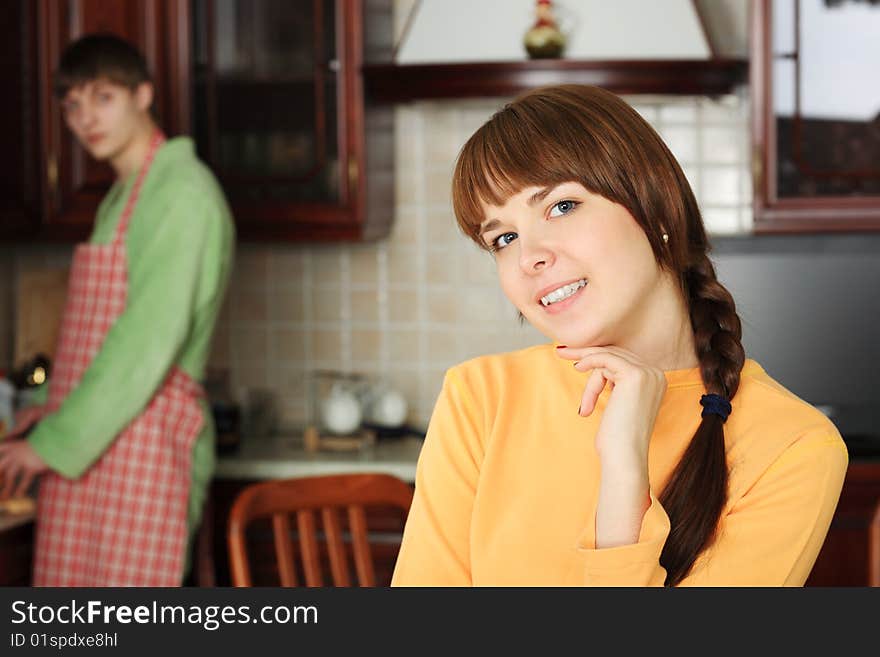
[95,56]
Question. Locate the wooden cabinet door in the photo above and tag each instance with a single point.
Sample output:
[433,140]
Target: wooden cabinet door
[75,182]
[816,115]
[20,168]
[278,113]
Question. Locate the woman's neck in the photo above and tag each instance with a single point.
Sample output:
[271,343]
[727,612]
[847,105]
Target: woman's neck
[663,335]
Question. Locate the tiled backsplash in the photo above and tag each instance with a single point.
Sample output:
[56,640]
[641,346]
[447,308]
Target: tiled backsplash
[406,308]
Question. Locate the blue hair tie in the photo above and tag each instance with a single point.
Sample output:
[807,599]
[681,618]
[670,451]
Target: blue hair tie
[715,405]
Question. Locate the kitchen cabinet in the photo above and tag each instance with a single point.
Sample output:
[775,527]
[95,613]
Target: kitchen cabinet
[20,191]
[54,187]
[850,555]
[16,549]
[815,115]
[270,90]
[279,113]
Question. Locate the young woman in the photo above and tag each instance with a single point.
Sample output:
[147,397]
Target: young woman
[641,448]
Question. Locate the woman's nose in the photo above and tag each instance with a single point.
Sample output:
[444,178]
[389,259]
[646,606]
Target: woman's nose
[534,256]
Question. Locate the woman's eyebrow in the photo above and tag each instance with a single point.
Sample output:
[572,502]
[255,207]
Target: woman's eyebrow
[540,195]
[489,225]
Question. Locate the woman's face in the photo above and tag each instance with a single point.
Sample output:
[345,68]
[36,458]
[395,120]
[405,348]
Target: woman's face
[575,264]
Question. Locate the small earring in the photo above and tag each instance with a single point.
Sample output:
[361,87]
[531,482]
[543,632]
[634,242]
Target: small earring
[665,238]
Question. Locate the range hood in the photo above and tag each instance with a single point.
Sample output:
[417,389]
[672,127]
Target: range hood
[474,48]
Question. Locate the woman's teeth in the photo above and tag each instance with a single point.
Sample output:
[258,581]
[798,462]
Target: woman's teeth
[563,292]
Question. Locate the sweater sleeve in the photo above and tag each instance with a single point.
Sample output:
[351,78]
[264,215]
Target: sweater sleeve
[140,347]
[435,550]
[770,536]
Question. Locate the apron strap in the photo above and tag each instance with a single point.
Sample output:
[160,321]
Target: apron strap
[156,141]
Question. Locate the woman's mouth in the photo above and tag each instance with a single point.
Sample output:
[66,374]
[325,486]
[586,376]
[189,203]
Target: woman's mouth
[562,297]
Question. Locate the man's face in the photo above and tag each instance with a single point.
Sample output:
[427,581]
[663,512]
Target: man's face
[104,116]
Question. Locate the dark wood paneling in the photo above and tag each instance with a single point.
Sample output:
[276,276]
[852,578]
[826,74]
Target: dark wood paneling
[20,179]
[845,556]
[16,555]
[398,83]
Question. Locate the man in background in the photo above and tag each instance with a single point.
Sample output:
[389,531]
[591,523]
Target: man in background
[125,442]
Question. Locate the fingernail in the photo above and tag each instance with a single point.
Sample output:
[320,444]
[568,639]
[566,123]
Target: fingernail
[561,346]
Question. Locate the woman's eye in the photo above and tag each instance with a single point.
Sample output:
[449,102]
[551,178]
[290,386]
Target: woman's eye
[502,240]
[561,208]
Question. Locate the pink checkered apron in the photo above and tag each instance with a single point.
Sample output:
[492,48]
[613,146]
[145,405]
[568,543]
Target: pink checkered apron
[123,523]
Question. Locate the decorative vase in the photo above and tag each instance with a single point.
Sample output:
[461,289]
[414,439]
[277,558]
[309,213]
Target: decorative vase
[544,39]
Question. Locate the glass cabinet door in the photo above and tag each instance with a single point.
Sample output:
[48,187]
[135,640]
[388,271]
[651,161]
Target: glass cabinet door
[816,118]
[265,95]
[827,101]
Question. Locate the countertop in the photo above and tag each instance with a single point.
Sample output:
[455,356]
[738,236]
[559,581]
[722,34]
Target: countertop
[281,457]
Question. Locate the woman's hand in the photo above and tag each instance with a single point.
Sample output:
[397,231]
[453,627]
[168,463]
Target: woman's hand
[637,391]
[623,436]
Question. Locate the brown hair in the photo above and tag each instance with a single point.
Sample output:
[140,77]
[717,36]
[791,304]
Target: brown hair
[575,133]
[97,56]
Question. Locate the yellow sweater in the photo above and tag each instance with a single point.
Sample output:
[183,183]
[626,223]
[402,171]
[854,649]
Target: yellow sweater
[507,482]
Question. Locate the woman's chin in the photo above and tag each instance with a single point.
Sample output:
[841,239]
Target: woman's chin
[578,340]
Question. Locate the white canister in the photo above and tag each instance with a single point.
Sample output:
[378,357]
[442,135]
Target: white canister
[389,409]
[341,411]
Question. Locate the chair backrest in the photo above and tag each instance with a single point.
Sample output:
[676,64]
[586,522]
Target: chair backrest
[305,497]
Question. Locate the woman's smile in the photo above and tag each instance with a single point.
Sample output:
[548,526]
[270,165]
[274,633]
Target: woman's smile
[562,297]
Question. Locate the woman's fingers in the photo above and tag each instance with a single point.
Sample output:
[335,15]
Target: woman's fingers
[595,386]
[613,363]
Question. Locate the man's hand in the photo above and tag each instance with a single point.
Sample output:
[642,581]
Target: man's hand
[24,420]
[19,465]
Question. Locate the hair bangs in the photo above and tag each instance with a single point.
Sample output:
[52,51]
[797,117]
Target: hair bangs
[508,154]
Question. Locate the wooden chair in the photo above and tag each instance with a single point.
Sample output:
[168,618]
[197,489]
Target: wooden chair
[304,497]
[874,548]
